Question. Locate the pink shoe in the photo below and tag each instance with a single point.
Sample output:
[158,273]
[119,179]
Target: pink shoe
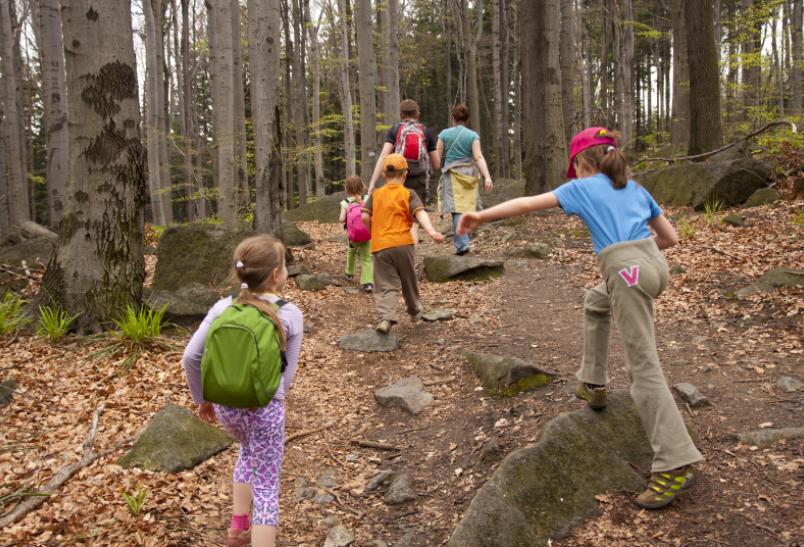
[238,538]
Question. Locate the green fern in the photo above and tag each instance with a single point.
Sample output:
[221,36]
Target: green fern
[135,501]
[54,322]
[140,326]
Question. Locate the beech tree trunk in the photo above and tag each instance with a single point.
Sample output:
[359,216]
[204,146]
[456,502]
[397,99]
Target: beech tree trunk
[751,60]
[705,126]
[301,117]
[567,62]
[367,81]
[241,157]
[391,60]
[346,94]
[680,125]
[264,33]
[16,197]
[544,164]
[625,66]
[152,108]
[315,69]
[54,97]
[471,41]
[186,102]
[499,69]
[795,68]
[98,267]
[163,85]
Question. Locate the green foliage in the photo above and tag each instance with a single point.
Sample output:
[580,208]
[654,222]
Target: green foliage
[135,501]
[19,494]
[54,322]
[712,207]
[140,326]
[12,314]
[686,229]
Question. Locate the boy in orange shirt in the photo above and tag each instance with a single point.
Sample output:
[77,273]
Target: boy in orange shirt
[389,214]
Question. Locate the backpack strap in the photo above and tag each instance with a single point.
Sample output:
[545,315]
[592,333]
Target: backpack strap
[279,303]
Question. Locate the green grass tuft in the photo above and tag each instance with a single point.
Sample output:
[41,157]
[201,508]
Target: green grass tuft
[12,314]
[54,323]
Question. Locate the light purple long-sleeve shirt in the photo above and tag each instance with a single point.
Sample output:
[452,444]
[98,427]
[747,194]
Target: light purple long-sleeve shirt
[292,322]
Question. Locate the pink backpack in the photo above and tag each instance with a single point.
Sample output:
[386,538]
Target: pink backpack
[356,231]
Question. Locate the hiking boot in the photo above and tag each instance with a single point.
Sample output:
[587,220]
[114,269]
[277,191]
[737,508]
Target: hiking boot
[663,487]
[594,396]
[461,252]
[349,277]
[384,326]
[368,287]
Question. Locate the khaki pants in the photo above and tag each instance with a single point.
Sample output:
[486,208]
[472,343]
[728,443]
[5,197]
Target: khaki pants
[394,270]
[634,273]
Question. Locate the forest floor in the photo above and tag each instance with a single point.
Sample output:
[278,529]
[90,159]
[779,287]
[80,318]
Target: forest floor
[733,349]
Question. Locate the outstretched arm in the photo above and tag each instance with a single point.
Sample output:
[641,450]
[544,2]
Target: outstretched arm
[515,207]
[375,176]
[666,236]
[424,222]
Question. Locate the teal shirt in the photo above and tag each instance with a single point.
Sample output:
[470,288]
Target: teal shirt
[457,143]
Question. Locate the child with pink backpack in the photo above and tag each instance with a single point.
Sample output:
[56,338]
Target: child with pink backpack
[359,236]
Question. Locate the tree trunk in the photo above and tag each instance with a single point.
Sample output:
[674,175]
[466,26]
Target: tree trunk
[752,57]
[472,40]
[264,37]
[567,62]
[346,94]
[158,213]
[542,114]
[315,69]
[605,47]
[705,127]
[223,108]
[368,82]
[796,55]
[241,157]
[98,267]
[54,96]
[391,58]
[625,67]
[163,78]
[500,124]
[301,117]
[186,105]
[680,125]
[587,75]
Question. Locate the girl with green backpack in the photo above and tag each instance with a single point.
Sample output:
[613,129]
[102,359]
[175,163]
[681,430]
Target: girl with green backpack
[239,365]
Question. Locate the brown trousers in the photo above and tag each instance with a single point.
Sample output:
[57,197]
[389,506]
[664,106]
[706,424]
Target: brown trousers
[634,273]
[394,270]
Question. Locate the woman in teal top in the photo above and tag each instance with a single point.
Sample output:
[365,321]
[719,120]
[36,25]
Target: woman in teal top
[458,188]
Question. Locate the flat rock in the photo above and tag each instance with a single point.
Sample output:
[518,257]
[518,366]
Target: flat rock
[788,384]
[507,376]
[380,481]
[691,394]
[445,268]
[401,490]
[772,279]
[407,393]
[324,498]
[763,196]
[313,282]
[326,480]
[734,220]
[297,269]
[369,340]
[303,490]
[537,250]
[438,315]
[540,492]
[339,536]
[763,437]
[174,440]
[188,303]
[7,389]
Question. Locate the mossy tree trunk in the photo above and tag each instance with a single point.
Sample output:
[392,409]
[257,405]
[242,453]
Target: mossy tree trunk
[98,265]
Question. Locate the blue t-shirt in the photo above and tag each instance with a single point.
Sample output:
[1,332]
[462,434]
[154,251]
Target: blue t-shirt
[457,143]
[611,215]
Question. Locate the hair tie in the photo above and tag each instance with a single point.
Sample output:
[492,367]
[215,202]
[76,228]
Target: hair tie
[239,264]
[610,148]
[243,286]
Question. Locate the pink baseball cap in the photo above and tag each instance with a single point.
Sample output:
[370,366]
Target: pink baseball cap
[589,137]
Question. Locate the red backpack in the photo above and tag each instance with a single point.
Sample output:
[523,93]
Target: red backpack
[411,142]
[356,231]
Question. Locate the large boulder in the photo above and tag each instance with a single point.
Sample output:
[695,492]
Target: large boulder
[538,493]
[184,305]
[323,209]
[292,236]
[174,440]
[693,184]
[504,189]
[507,376]
[772,279]
[466,268]
[35,253]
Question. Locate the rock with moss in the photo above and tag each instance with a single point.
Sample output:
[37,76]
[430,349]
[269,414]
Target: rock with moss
[322,209]
[763,196]
[772,279]
[734,219]
[507,376]
[504,189]
[538,493]
[693,184]
[445,268]
[313,282]
[186,304]
[174,440]
[292,236]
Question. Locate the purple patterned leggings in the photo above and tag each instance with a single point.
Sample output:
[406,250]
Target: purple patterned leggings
[261,434]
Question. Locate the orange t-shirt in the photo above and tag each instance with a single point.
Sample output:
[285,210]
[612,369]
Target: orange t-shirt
[392,209]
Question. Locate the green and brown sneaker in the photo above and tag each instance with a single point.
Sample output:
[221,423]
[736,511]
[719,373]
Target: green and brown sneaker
[595,396]
[664,486]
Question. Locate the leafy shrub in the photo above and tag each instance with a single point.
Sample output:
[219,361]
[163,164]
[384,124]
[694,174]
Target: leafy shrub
[54,322]
[12,314]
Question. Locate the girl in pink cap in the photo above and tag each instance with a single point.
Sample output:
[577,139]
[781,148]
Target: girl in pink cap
[628,230]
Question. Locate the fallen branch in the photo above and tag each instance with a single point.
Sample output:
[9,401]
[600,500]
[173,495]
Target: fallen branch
[307,432]
[374,444]
[61,476]
[439,381]
[723,148]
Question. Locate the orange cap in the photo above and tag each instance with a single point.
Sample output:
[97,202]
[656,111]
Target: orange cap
[395,163]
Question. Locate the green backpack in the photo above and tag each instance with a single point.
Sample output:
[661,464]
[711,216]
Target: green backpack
[243,363]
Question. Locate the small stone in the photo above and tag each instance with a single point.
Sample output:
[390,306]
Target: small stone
[303,491]
[407,539]
[407,393]
[297,269]
[788,384]
[378,543]
[400,491]
[353,457]
[438,315]
[380,481]
[331,520]
[735,220]
[351,290]
[538,250]
[339,536]
[310,282]
[369,340]
[7,388]
[677,269]
[325,480]
[765,437]
[691,394]
[324,498]
[489,451]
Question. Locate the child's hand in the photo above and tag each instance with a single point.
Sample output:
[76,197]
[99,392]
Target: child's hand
[436,236]
[469,223]
[206,413]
